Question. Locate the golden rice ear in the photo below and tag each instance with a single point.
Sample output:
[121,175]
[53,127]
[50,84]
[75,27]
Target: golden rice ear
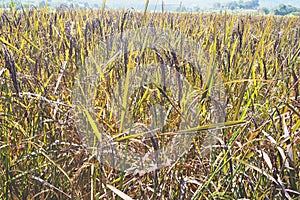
[147,59]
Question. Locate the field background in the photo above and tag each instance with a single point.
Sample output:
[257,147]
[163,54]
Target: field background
[41,152]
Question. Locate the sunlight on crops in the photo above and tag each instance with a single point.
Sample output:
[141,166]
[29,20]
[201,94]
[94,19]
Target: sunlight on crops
[254,155]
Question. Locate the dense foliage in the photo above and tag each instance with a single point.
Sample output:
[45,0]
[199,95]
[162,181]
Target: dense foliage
[285,10]
[253,4]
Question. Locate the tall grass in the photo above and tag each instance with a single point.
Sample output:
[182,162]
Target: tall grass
[42,154]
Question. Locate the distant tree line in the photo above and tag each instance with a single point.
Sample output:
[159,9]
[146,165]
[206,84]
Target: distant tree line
[282,9]
[253,4]
[286,10]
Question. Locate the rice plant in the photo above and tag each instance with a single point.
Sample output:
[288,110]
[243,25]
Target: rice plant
[255,150]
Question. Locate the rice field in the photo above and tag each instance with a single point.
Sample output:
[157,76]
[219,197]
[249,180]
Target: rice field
[254,147]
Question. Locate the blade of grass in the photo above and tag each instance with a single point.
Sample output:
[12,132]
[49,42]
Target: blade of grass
[119,193]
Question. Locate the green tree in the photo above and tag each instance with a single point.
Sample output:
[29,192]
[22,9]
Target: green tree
[254,4]
[232,5]
[265,10]
[285,9]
